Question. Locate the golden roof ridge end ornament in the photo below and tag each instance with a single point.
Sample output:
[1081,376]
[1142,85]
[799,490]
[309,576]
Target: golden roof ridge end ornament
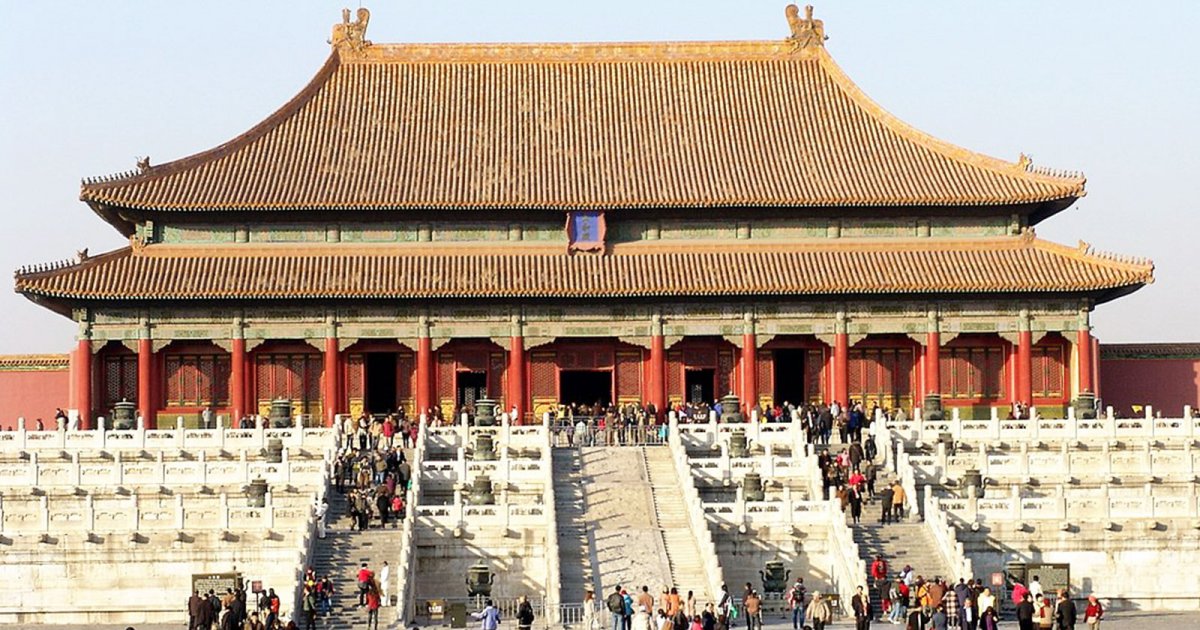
[806,32]
[351,36]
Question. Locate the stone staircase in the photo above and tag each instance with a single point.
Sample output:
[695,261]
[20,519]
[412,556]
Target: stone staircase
[901,544]
[570,508]
[683,556]
[341,554]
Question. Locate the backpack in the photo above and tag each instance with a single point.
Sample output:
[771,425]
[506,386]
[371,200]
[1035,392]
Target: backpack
[616,603]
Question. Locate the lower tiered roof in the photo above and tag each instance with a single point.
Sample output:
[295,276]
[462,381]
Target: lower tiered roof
[893,266]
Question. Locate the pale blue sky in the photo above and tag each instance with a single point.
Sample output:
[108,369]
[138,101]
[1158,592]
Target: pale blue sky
[1104,87]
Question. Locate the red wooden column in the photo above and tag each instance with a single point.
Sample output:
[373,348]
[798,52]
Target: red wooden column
[841,361]
[82,378]
[1024,367]
[516,374]
[656,394]
[423,395]
[333,380]
[237,378]
[1096,365]
[1083,342]
[145,378]
[933,363]
[749,372]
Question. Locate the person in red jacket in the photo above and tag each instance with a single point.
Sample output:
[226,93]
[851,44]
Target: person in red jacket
[879,577]
[1093,613]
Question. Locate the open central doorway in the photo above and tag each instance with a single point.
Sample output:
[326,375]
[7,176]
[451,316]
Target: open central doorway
[585,387]
[789,377]
[699,385]
[471,387]
[381,382]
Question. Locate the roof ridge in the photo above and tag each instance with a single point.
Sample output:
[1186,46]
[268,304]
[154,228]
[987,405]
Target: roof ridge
[93,184]
[1084,251]
[1022,167]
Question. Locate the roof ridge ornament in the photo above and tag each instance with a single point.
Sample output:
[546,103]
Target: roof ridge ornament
[1024,163]
[806,32]
[351,35]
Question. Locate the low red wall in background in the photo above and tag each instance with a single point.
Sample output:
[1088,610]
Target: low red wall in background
[1167,384]
[32,387]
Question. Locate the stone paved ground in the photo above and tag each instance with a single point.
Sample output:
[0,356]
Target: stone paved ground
[1117,621]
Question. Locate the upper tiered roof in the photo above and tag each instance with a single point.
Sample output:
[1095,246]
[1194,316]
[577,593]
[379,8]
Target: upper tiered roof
[1006,265]
[570,126]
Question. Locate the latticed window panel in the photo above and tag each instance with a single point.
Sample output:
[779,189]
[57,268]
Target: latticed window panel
[542,381]
[629,375]
[495,377]
[765,374]
[878,375]
[814,377]
[1049,371]
[724,372]
[120,380]
[194,380]
[675,376]
[406,375]
[972,373]
[314,369]
[355,371]
[445,376]
[295,377]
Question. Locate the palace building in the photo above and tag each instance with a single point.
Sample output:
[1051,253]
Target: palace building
[656,222]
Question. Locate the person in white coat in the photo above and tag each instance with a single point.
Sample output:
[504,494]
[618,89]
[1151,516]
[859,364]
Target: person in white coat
[385,577]
[320,509]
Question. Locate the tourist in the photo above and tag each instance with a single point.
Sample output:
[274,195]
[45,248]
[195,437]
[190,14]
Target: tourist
[989,620]
[373,601]
[645,599]
[1045,613]
[861,605]
[985,600]
[524,613]
[886,497]
[364,584]
[195,604]
[674,604]
[723,607]
[320,511]
[708,619]
[1093,613]
[641,619]
[254,622]
[1035,588]
[968,618]
[1025,612]
[589,610]
[951,603]
[898,500]
[795,600]
[309,607]
[1064,612]
[819,612]
[616,607]
[689,605]
[856,501]
[627,612]
[898,594]
[385,574]
[753,605]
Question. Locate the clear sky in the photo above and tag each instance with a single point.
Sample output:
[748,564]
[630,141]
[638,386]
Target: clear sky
[1109,88]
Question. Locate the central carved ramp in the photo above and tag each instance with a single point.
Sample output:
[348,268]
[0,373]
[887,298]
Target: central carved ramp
[621,521]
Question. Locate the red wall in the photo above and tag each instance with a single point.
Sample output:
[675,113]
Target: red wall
[1167,384]
[32,394]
